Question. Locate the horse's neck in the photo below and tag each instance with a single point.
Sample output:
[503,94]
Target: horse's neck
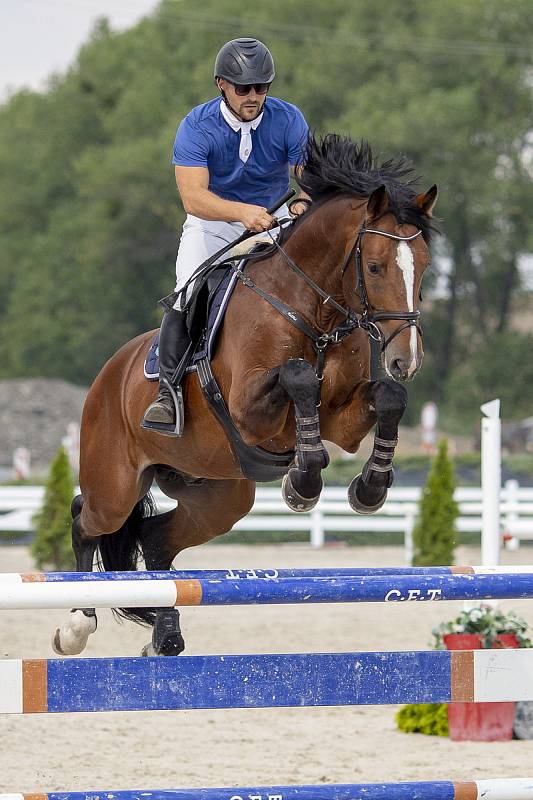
[319,247]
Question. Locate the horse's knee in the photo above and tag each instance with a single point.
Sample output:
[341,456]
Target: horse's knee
[388,394]
[390,400]
[298,377]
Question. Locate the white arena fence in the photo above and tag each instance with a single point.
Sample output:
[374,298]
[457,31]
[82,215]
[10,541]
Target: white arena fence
[18,504]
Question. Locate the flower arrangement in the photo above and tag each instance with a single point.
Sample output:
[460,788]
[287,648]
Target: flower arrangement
[483,620]
[486,621]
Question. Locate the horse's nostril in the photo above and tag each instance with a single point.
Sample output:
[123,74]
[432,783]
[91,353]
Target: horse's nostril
[398,367]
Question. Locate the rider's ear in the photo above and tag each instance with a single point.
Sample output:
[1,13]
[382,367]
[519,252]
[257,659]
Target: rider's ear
[426,202]
[377,203]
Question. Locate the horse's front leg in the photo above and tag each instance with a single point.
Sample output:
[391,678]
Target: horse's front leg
[302,485]
[368,491]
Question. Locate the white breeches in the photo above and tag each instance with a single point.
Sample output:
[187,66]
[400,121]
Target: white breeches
[200,239]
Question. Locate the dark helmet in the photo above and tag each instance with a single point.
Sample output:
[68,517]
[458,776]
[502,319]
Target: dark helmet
[245,61]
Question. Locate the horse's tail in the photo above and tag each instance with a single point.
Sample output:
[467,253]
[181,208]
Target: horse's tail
[120,551]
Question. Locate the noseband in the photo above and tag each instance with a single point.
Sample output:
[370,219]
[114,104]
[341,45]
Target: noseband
[369,318]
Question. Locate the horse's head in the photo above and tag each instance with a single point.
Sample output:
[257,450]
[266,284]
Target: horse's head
[390,256]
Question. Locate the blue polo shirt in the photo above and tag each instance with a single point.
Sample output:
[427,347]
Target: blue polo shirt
[204,139]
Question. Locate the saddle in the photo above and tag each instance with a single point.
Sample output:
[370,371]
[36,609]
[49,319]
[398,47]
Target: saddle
[204,320]
[205,315]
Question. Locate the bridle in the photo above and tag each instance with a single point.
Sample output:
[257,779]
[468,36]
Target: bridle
[366,320]
[369,318]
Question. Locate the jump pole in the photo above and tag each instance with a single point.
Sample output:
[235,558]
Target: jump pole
[253,574]
[168,593]
[274,680]
[507,789]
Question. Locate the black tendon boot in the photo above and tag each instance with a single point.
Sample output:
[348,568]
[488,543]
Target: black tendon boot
[165,414]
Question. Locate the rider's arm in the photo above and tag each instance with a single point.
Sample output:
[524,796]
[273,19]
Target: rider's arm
[295,208]
[297,138]
[193,183]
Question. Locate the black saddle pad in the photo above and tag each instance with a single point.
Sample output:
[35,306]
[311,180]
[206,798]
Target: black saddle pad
[218,304]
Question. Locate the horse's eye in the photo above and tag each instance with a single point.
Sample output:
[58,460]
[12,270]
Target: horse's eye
[373,268]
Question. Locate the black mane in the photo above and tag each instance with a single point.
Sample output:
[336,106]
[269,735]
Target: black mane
[336,165]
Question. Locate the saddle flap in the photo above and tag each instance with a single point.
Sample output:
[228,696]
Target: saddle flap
[218,290]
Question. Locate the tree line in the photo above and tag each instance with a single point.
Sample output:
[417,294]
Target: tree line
[89,212]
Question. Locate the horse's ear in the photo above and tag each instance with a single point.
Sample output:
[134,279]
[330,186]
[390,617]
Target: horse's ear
[426,202]
[377,203]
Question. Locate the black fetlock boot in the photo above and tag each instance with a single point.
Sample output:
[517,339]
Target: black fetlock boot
[165,414]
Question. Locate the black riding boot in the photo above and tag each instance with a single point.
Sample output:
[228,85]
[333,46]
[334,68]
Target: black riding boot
[165,415]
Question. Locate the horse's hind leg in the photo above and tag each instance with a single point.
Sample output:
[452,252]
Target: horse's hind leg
[368,491]
[110,516]
[167,639]
[303,483]
[71,638]
[206,509]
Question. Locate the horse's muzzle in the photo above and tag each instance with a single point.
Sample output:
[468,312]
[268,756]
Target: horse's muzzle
[403,369]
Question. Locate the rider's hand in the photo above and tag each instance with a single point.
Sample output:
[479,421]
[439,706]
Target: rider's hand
[298,208]
[256,218]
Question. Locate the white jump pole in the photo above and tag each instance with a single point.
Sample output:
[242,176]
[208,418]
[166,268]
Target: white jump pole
[491,478]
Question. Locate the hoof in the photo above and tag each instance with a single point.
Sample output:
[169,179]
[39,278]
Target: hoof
[357,505]
[172,646]
[294,500]
[71,638]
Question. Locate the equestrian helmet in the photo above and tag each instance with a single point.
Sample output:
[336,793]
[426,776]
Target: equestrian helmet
[245,61]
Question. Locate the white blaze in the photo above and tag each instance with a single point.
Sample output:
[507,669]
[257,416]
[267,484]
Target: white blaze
[404,259]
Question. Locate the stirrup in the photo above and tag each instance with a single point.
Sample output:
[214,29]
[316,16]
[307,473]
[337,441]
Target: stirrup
[174,429]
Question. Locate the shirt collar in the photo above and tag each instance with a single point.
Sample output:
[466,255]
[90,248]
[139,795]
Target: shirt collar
[238,124]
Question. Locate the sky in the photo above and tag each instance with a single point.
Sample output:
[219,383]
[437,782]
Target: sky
[39,37]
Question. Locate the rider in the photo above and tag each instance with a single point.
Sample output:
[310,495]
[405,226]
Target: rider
[232,159]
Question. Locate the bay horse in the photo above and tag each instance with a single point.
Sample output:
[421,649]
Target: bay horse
[293,366]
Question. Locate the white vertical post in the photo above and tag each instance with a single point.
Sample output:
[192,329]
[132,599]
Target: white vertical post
[317,528]
[490,483]
[409,550]
[21,463]
[511,541]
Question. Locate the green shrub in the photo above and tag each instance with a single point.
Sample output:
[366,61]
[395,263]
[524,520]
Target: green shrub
[434,534]
[51,546]
[428,718]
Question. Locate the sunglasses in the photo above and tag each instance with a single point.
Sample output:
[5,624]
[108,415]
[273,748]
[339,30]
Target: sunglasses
[243,89]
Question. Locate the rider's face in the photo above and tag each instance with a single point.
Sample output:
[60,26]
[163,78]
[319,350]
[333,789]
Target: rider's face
[247,107]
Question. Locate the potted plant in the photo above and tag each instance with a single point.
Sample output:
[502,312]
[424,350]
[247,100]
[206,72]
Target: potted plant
[482,626]
[488,626]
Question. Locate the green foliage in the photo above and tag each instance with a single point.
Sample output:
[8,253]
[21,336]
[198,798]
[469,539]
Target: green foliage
[51,546]
[492,371]
[434,534]
[89,213]
[430,719]
[486,620]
